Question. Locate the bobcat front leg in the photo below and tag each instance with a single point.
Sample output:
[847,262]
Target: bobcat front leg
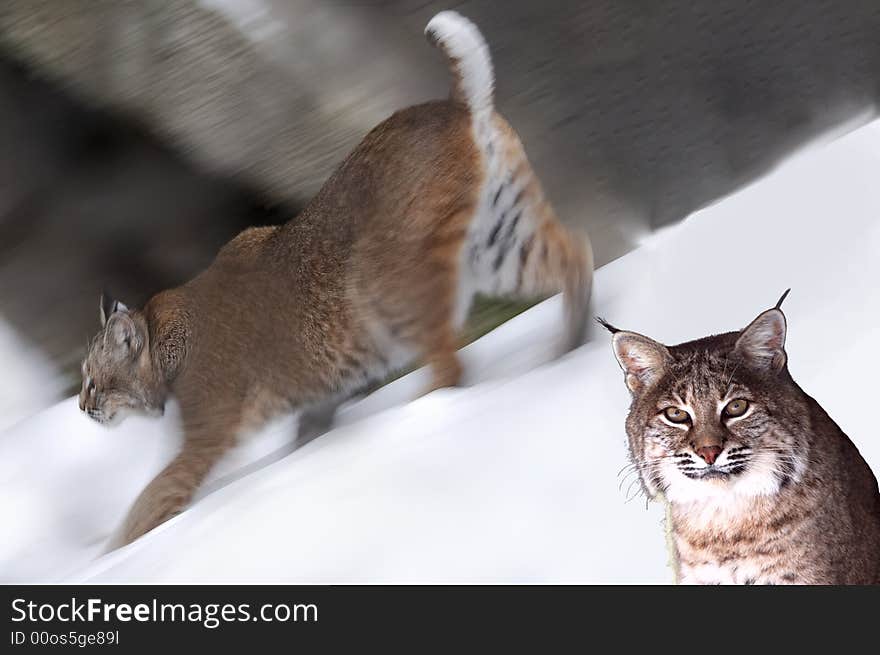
[317,419]
[172,490]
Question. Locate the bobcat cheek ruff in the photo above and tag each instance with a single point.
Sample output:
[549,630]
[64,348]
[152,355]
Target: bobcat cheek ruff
[763,486]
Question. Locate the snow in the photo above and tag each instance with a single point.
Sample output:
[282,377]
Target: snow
[29,382]
[513,478]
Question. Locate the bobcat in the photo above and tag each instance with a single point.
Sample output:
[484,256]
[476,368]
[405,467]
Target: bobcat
[436,204]
[763,487]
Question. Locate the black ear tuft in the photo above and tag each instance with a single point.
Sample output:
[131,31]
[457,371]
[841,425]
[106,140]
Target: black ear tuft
[605,324]
[784,296]
[108,307]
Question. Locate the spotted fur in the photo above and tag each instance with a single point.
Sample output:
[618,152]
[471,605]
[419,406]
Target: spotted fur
[775,495]
[436,204]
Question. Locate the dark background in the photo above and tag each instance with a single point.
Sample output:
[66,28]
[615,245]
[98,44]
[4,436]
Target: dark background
[634,114]
[486,617]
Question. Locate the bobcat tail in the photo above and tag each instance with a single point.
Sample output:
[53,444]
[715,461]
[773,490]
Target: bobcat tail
[469,60]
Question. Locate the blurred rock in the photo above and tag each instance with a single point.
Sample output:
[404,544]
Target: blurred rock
[92,200]
[634,113]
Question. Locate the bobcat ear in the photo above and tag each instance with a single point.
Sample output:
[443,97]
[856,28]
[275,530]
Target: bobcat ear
[108,307]
[762,343]
[643,360]
[124,332]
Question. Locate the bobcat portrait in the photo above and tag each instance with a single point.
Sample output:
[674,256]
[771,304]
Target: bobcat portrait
[763,487]
[436,204]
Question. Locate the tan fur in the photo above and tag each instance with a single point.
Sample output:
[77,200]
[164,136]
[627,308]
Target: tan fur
[376,271]
[788,499]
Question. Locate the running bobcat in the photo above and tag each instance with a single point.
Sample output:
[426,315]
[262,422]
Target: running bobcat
[436,204]
[763,487]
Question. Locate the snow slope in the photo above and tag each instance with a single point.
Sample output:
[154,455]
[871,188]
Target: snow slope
[29,382]
[511,479]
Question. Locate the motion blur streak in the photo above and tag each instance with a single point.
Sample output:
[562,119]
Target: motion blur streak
[139,137]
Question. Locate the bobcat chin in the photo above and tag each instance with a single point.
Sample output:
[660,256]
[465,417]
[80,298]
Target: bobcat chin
[763,487]
[436,204]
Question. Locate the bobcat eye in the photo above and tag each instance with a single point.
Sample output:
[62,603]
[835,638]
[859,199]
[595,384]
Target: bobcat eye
[735,408]
[90,386]
[676,415]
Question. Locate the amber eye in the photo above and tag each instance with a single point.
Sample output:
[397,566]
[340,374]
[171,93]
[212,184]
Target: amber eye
[676,415]
[736,407]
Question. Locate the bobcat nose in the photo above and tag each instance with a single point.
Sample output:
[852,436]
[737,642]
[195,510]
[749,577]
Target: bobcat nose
[709,453]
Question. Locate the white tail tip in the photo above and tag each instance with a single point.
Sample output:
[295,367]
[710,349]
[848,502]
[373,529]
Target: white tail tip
[469,57]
